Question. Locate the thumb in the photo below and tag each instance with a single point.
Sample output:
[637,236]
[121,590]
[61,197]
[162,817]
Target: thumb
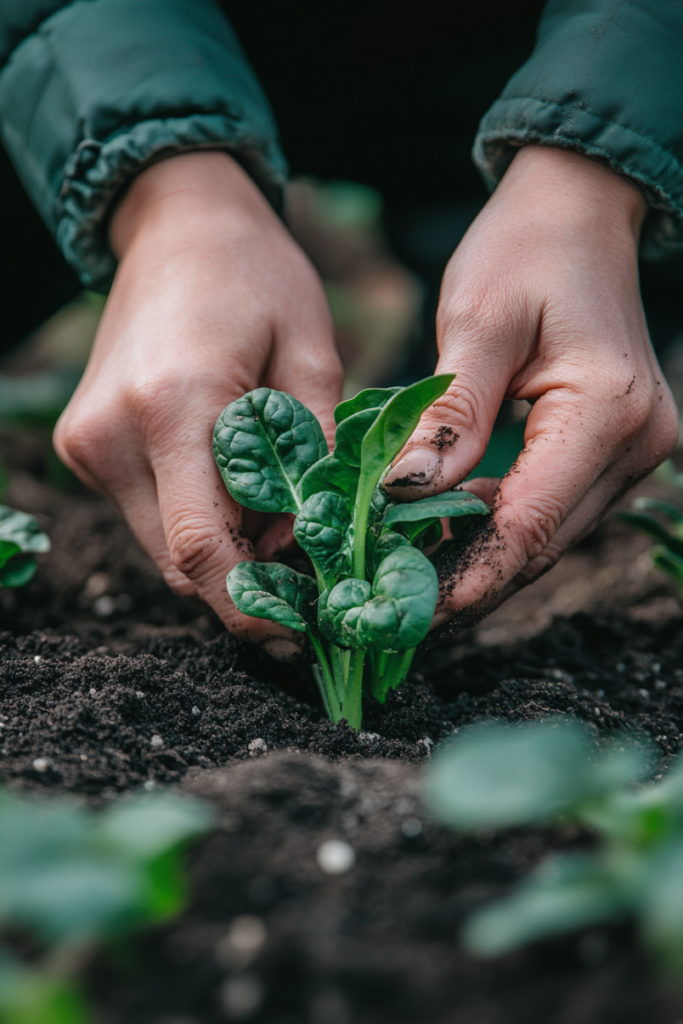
[452,435]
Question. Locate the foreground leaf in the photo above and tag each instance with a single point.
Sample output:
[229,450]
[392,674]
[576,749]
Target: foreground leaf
[566,893]
[17,571]
[449,505]
[392,614]
[322,529]
[263,444]
[349,436]
[268,590]
[330,474]
[22,529]
[496,775]
[370,398]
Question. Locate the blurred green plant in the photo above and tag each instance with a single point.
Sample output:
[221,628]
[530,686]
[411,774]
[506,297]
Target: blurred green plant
[71,881]
[503,776]
[667,553]
[20,539]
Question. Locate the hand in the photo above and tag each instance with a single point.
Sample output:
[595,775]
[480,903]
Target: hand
[541,302]
[212,298]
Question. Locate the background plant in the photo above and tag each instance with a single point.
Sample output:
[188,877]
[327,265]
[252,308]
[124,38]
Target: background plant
[667,553]
[375,590]
[71,880]
[20,539]
[500,776]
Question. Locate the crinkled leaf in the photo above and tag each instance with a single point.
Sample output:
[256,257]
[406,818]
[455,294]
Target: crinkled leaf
[388,542]
[268,590]
[350,433]
[330,474]
[566,893]
[18,571]
[322,529]
[263,444]
[440,506]
[23,530]
[394,614]
[370,398]
[498,775]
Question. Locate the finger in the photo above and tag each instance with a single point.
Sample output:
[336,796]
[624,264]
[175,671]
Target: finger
[203,533]
[485,353]
[578,455]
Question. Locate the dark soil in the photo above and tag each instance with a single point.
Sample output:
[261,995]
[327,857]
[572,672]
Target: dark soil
[87,683]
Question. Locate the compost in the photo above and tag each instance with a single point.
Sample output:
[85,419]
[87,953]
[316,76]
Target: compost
[109,683]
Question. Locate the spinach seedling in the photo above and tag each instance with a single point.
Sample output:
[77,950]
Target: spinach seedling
[502,776]
[667,553]
[375,590]
[20,539]
[71,880]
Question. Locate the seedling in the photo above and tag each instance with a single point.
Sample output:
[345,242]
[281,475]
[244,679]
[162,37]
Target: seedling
[502,776]
[71,880]
[20,539]
[375,590]
[667,554]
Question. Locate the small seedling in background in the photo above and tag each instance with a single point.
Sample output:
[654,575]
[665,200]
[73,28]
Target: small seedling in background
[20,539]
[667,554]
[71,880]
[502,776]
[375,590]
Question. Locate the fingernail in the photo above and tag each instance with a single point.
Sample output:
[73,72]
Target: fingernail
[416,468]
[281,649]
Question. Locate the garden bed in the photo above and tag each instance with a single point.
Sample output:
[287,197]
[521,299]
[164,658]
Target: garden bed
[109,683]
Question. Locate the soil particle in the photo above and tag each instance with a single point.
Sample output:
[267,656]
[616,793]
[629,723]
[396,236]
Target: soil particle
[444,438]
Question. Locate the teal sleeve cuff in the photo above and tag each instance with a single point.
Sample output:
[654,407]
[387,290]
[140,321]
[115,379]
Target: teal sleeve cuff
[105,88]
[605,80]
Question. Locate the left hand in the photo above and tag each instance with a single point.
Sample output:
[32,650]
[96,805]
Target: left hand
[541,302]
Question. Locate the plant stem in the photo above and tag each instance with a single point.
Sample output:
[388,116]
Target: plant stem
[352,707]
[390,672]
[325,680]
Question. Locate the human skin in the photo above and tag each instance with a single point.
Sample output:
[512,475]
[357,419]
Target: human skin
[213,298]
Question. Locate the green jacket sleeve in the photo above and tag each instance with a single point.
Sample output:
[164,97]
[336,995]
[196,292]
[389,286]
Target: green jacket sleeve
[93,90]
[605,79]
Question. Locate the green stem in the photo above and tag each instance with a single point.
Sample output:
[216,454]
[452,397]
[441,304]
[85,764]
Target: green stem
[326,682]
[391,673]
[352,707]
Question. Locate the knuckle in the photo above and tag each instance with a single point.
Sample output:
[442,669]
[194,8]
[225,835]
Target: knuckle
[532,530]
[79,438]
[192,547]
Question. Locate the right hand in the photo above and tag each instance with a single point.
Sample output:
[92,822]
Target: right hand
[212,298]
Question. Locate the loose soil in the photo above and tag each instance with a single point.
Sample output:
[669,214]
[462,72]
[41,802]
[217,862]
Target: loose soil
[109,683]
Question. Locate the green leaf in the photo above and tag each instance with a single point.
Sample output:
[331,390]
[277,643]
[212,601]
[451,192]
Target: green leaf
[396,422]
[451,504]
[371,398]
[322,528]
[18,571]
[661,907]
[671,511]
[669,563]
[330,475]
[268,590]
[498,775]
[566,893]
[7,551]
[144,827]
[388,542]
[349,436]
[394,614]
[22,529]
[648,524]
[263,444]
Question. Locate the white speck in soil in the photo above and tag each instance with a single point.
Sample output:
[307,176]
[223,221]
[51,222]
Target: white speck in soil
[241,996]
[84,757]
[104,606]
[37,658]
[140,695]
[196,711]
[644,693]
[411,827]
[149,784]
[92,692]
[596,712]
[156,742]
[243,942]
[368,737]
[257,747]
[335,857]
[41,764]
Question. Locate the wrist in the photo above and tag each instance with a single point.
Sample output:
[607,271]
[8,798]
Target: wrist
[569,184]
[193,195]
